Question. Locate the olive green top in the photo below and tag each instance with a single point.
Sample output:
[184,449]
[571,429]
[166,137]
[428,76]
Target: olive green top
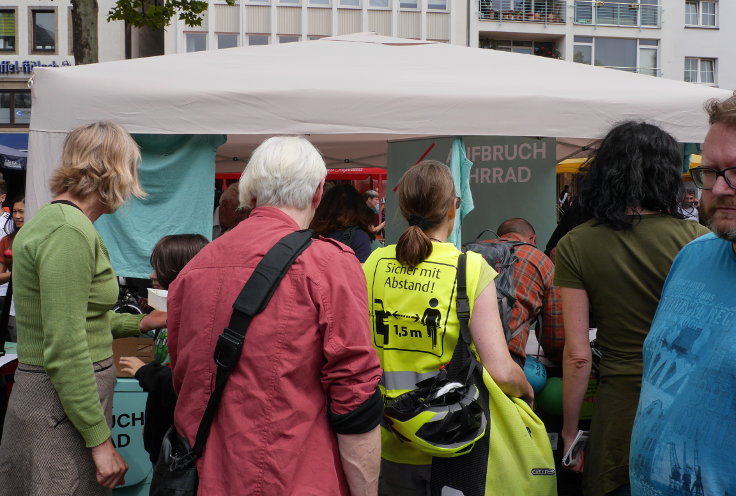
[623,273]
[64,288]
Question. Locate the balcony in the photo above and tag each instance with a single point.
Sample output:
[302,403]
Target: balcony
[640,13]
[534,11]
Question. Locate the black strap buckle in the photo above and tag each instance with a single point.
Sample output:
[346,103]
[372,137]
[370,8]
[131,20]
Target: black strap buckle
[227,351]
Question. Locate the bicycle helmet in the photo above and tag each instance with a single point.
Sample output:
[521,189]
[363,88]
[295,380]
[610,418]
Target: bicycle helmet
[443,420]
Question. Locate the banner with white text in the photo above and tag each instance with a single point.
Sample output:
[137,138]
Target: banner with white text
[510,177]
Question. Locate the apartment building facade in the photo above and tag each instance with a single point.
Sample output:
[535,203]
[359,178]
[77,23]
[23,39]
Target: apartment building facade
[263,22]
[685,40]
[37,33]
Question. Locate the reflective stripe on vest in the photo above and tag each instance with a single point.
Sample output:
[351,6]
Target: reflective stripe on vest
[404,380]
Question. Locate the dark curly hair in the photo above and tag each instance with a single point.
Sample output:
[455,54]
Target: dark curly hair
[638,167]
[342,207]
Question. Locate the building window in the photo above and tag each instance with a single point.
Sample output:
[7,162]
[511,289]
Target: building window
[701,13]
[15,108]
[258,39]
[7,30]
[624,54]
[409,4]
[349,3]
[290,2]
[227,40]
[379,4]
[437,5]
[541,48]
[44,30]
[196,42]
[699,70]
[288,39]
[320,3]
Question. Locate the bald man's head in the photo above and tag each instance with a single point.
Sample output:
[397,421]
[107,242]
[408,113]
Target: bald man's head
[520,227]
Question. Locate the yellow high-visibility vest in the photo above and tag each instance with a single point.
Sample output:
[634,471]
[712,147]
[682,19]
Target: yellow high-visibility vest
[414,323]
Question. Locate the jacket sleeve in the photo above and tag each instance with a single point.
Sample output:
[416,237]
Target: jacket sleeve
[351,371]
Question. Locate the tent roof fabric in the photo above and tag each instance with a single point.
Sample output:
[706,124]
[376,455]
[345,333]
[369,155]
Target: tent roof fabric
[363,84]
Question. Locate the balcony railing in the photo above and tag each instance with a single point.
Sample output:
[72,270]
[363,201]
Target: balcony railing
[538,11]
[602,12]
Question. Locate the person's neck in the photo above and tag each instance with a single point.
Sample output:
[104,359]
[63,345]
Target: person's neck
[639,211]
[90,206]
[441,232]
[303,217]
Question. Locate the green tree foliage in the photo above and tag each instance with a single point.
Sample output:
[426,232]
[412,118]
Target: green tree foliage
[157,14]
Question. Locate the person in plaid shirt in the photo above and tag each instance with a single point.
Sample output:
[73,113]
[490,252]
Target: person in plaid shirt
[535,293]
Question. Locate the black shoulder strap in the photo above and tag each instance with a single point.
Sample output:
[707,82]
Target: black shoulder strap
[462,359]
[252,300]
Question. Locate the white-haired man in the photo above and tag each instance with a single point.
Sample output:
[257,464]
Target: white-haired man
[685,428]
[300,411]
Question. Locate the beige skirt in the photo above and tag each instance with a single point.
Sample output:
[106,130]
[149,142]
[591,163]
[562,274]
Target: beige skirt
[42,454]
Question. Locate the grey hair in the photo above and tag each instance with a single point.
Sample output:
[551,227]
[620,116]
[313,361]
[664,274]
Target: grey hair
[284,171]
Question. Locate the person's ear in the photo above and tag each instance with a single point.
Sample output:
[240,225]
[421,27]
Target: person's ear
[318,194]
[533,239]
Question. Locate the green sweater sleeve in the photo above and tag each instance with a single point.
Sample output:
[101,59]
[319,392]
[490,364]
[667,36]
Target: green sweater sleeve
[65,262]
[124,324]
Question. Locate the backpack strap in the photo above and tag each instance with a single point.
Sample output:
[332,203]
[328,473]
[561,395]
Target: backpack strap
[252,300]
[463,360]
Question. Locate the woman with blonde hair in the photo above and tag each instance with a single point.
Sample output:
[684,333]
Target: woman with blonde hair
[57,437]
[412,302]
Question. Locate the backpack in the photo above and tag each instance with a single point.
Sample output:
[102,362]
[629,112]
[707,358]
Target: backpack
[500,255]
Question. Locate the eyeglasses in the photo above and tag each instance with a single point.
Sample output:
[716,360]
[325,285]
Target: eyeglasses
[706,177]
[458,202]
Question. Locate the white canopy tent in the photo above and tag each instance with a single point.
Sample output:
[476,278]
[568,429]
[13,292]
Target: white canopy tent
[351,94]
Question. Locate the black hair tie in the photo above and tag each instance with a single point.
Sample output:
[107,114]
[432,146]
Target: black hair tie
[419,221]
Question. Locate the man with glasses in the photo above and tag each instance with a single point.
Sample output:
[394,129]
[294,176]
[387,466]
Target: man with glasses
[685,427]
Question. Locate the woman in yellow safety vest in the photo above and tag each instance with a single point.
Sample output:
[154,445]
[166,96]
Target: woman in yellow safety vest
[412,297]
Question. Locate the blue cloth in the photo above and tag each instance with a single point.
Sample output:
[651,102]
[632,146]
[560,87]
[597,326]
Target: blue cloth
[178,173]
[460,167]
[685,427]
[360,242]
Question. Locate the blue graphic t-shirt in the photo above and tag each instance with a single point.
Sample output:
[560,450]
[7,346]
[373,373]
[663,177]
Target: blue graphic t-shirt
[685,430]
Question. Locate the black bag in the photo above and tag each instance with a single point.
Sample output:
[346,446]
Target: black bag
[175,473]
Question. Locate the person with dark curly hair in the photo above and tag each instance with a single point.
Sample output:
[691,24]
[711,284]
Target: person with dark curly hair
[615,264]
[343,216]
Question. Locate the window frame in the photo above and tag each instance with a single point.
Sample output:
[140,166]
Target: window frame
[297,40]
[217,39]
[12,123]
[699,70]
[32,50]
[14,11]
[641,44]
[246,41]
[700,14]
[435,9]
[196,33]
[380,7]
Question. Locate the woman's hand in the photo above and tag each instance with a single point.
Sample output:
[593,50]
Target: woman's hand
[567,440]
[110,466]
[154,320]
[130,365]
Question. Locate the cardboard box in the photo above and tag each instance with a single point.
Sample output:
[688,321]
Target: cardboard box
[141,348]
